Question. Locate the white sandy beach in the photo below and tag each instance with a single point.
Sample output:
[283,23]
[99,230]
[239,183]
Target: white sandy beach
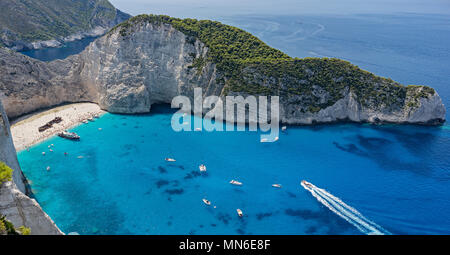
[25,129]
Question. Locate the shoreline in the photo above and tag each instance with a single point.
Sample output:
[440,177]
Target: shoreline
[25,132]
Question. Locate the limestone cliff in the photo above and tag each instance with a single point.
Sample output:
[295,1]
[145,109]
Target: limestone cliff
[35,24]
[27,84]
[151,59]
[18,208]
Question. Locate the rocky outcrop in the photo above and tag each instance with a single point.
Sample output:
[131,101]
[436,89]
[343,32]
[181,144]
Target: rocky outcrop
[18,208]
[27,84]
[26,25]
[151,66]
[430,111]
[7,151]
[127,72]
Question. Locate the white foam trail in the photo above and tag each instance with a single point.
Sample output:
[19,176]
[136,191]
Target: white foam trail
[345,211]
[371,227]
[325,203]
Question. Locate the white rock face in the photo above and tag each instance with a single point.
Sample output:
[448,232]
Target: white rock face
[18,208]
[150,66]
[430,111]
[21,210]
[27,84]
[430,108]
[7,151]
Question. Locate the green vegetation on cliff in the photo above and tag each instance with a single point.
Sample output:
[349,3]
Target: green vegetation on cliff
[249,65]
[7,228]
[5,173]
[39,20]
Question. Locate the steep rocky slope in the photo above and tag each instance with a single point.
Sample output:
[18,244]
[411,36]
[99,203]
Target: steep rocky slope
[150,59]
[27,84]
[34,24]
[18,208]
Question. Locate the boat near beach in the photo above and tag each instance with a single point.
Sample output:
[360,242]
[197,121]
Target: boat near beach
[69,135]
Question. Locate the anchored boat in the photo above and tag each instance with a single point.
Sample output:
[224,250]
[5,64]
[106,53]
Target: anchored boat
[207,202]
[236,183]
[69,135]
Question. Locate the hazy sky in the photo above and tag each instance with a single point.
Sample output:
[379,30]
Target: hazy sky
[214,8]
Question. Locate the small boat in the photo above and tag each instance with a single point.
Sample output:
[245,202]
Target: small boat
[276,139]
[276,185]
[100,129]
[80,157]
[170,160]
[48,168]
[96,116]
[51,150]
[283,128]
[43,153]
[198,129]
[240,213]
[85,121]
[305,183]
[264,140]
[91,119]
[202,168]
[68,135]
[236,183]
[207,202]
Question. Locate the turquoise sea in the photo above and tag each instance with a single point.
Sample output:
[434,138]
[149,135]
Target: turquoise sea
[396,176]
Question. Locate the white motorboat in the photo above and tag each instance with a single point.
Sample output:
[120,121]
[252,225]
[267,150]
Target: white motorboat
[236,183]
[207,202]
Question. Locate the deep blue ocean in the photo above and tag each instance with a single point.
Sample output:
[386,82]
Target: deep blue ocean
[116,181]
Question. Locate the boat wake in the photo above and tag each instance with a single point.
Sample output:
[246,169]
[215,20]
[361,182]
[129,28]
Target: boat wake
[345,211]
